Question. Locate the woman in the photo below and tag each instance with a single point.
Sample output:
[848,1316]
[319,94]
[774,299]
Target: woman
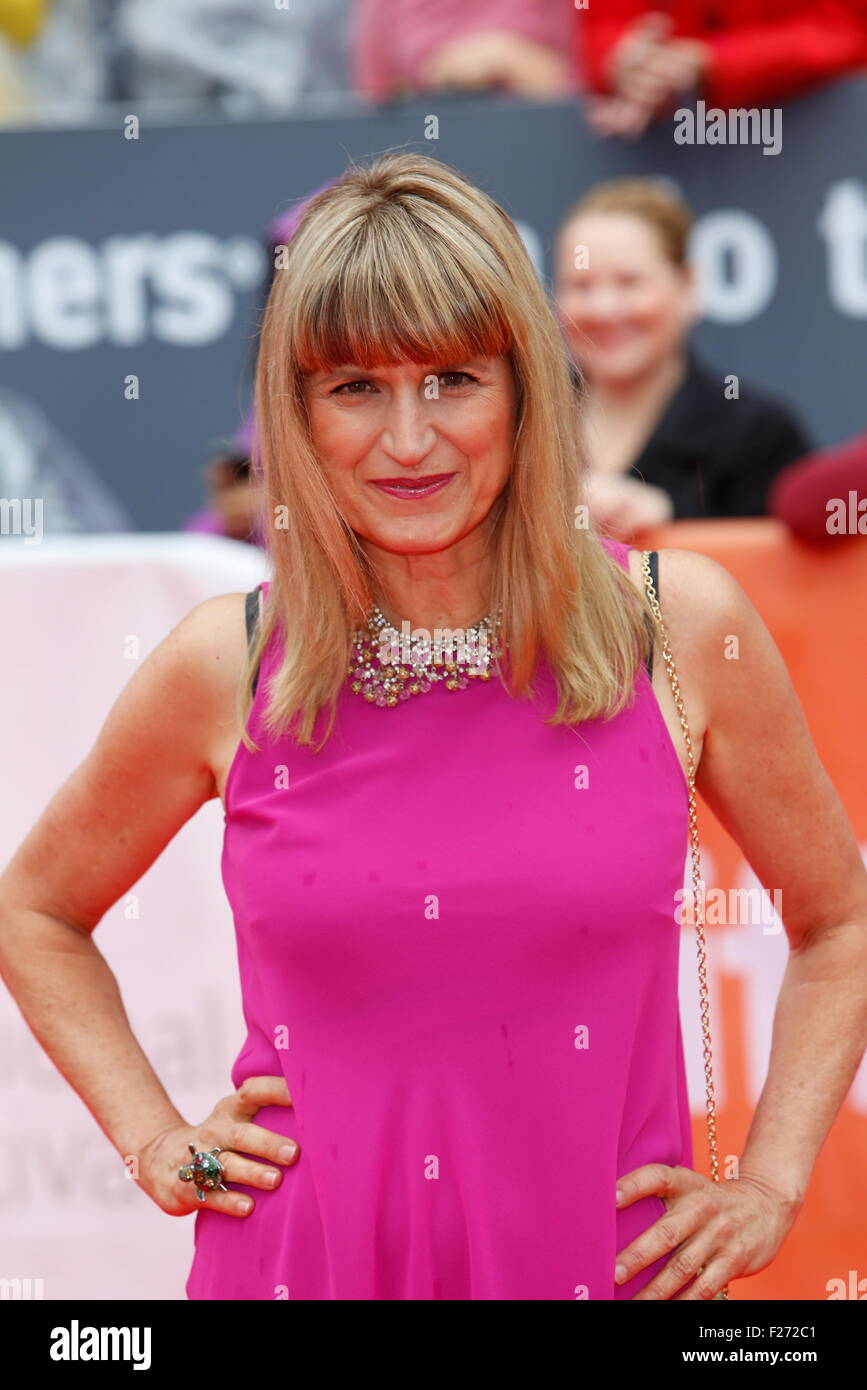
[234,503]
[455,907]
[667,437]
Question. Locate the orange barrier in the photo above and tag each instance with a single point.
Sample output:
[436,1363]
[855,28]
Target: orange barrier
[814,602]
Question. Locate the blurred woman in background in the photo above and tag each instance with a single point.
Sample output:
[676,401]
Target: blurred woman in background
[667,438]
[234,492]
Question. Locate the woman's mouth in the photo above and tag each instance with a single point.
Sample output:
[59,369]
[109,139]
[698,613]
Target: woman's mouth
[613,336]
[413,487]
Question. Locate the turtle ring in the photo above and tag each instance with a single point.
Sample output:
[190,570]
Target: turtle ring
[205,1170]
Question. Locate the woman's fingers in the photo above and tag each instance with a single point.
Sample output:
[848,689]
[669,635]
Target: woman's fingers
[258,1091]
[669,1232]
[686,1263]
[243,1144]
[691,1231]
[252,1096]
[245,1138]
[238,1168]
[230,1203]
[711,1276]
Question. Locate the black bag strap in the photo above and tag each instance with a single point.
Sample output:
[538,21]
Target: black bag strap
[654,574]
[251,613]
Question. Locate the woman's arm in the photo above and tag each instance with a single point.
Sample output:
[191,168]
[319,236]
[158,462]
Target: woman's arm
[761,776]
[148,772]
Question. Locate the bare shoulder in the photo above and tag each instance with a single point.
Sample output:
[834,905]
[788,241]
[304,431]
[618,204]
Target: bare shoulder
[733,677]
[697,594]
[702,600]
[200,656]
[721,649]
[207,652]
[723,642]
[212,639]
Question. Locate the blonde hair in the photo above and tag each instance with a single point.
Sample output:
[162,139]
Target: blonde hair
[651,201]
[405,260]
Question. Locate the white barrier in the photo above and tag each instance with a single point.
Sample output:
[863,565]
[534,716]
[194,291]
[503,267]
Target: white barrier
[69,1216]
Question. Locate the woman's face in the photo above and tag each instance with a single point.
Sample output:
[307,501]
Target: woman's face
[416,454]
[630,308]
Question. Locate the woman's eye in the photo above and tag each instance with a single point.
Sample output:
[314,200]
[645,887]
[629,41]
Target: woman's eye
[346,385]
[465,375]
[451,379]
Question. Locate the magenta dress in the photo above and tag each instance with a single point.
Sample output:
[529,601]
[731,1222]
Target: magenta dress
[466,968]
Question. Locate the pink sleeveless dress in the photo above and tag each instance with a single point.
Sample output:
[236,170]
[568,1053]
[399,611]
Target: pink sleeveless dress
[465,966]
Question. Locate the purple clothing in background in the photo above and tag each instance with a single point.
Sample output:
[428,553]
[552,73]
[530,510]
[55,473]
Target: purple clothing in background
[207,522]
[285,224]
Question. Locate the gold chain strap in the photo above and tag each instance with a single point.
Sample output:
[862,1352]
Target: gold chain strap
[698,901]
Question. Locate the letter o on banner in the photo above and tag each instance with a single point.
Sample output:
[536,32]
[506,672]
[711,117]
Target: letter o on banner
[736,263]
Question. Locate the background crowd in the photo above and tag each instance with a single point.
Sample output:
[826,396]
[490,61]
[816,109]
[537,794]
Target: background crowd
[660,439]
[64,58]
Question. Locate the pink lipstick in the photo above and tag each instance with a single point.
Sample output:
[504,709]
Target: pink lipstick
[413,487]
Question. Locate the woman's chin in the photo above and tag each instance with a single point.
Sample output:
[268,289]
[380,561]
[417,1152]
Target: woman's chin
[413,536]
[614,369]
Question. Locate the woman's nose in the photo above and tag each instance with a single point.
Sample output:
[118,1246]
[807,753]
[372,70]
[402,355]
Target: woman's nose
[603,304]
[408,433]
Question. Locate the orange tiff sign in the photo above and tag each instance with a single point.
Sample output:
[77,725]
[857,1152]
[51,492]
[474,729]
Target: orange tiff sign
[814,602]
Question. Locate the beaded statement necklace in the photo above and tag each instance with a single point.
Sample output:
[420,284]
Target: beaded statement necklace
[390,666]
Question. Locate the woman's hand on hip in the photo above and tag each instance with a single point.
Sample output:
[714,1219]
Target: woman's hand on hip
[229,1127]
[717,1231]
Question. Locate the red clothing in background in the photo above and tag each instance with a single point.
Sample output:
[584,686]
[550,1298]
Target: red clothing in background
[800,494]
[762,50]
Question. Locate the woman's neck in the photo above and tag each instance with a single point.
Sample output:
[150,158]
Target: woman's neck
[623,415]
[448,589]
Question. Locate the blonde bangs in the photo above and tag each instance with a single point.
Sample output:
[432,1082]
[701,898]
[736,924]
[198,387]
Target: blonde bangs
[393,290]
